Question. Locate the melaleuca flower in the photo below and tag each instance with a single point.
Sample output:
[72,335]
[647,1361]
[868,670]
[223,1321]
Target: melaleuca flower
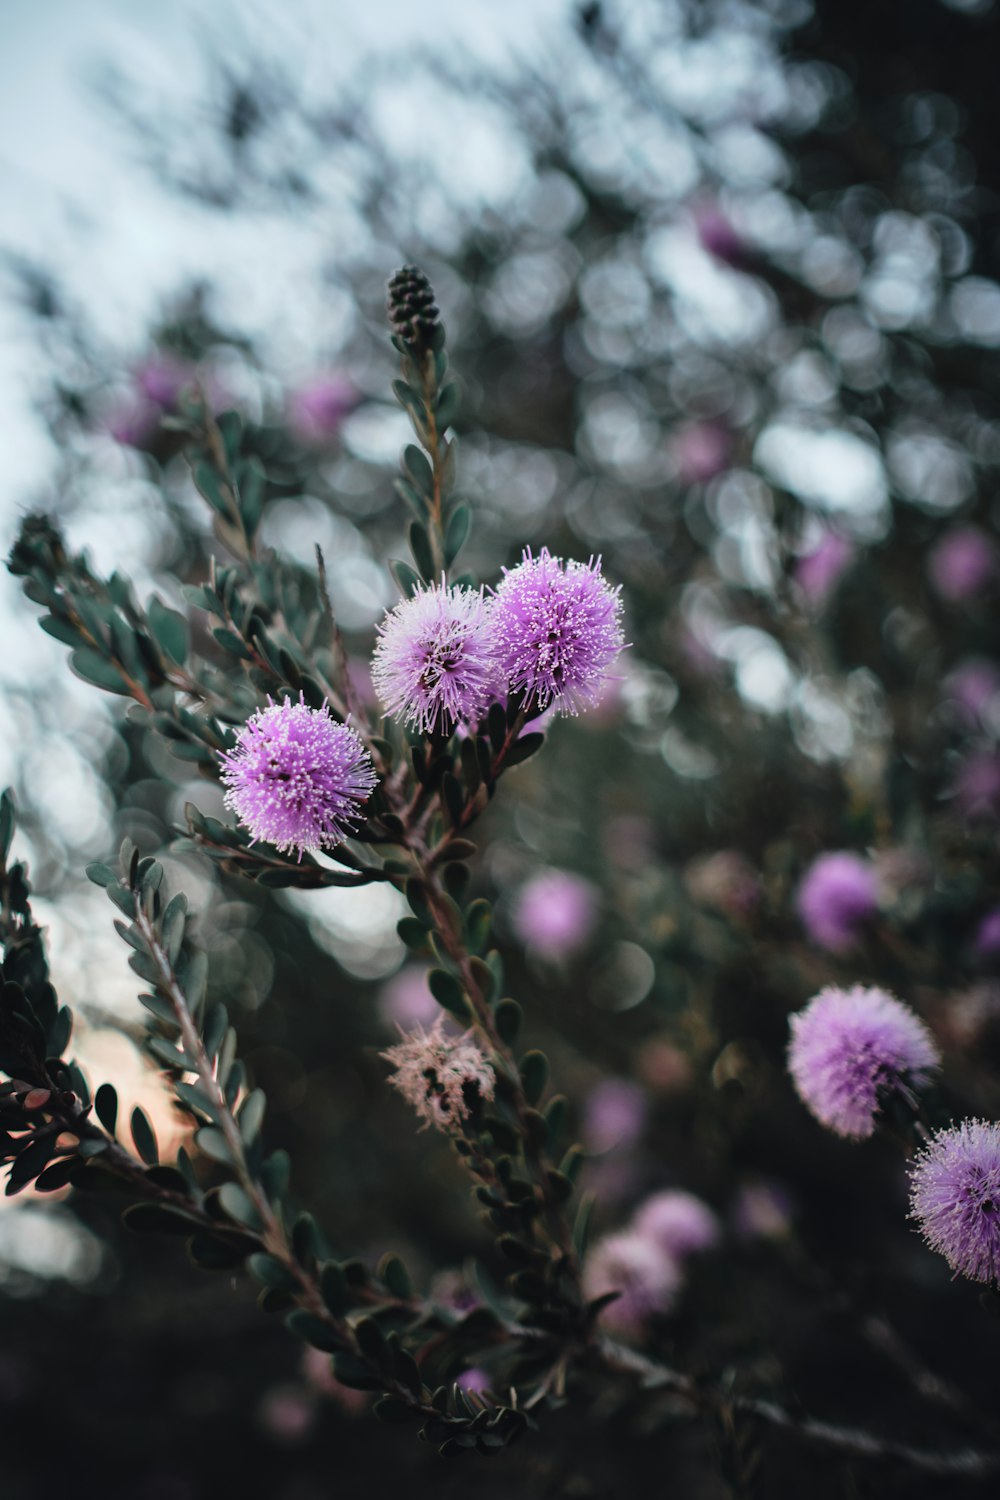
[443,1077]
[297,778]
[433,664]
[955,1197]
[678,1223]
[632,1265]
[839,893]
[849,1049]
[555,912]
[556,630]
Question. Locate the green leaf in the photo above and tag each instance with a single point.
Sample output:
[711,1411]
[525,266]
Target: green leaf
[446,408]
[106,1107]
[306,1325]
[413,934]
[333,1286]
[456,532]
[420,546]
[271,1272]
[478,918]
[214,1144]
[524,748]
[418,467]
[393,1272]
[210,483]
[251,1116]
[534,1075]
[448,993]
[169,630]
[93,668]
[407,581]
[7,824]
[145,1140]
[239,1206]
[102,875]
[508,1016]
[158,1218]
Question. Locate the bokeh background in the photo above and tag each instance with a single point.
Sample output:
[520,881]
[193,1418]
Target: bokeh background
[720,281]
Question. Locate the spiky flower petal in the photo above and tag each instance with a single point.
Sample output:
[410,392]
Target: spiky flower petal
[442,1076]
[848,1048]
[955,1197]
[557,630]
[297,778]
[434,664]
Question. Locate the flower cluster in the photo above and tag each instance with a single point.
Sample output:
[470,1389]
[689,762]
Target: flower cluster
[849,1048]
[444,1077]
[644,1263]
[550,631]
[297,778]
[838,895]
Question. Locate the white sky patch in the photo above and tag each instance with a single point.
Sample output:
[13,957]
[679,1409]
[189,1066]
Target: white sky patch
[830,469]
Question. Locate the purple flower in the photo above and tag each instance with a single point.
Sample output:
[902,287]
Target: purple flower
[317,410]
[441,1076]
[987,939]
[701,450]
[434,664]
[555,912]
[405,1001]
[962,563]
[633,1266]
[475,1380]
[161,378]
[614,1115]
[977,785]
[818,572]
[557,630]
[717,235]
[848,1048]
[297,778]
[838,894]
[678,1223]
[974,686]
[955,1197]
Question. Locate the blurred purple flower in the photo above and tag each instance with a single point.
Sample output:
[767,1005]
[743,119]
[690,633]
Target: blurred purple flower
[441,1076]
[678,1223]
[614,1115]
[297,778]
[162,377]
[717,236]
[818,572]
[405,1001]
[701,450]
[974,686]
[963,563]
[316,410]
[838,894]
[475,1380]
[555,912]
[556,630]
[132,422]
[955,1197]
[434,665]
[977,785]
[987,939]
[848,1048]
[632,1265]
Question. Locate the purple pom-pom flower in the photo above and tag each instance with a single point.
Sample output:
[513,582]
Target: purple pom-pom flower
[849,1048]
[645,1279]
[678,1223]
[434,663]
[297,778]
[955,1197]
[557,630]
[838,894]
